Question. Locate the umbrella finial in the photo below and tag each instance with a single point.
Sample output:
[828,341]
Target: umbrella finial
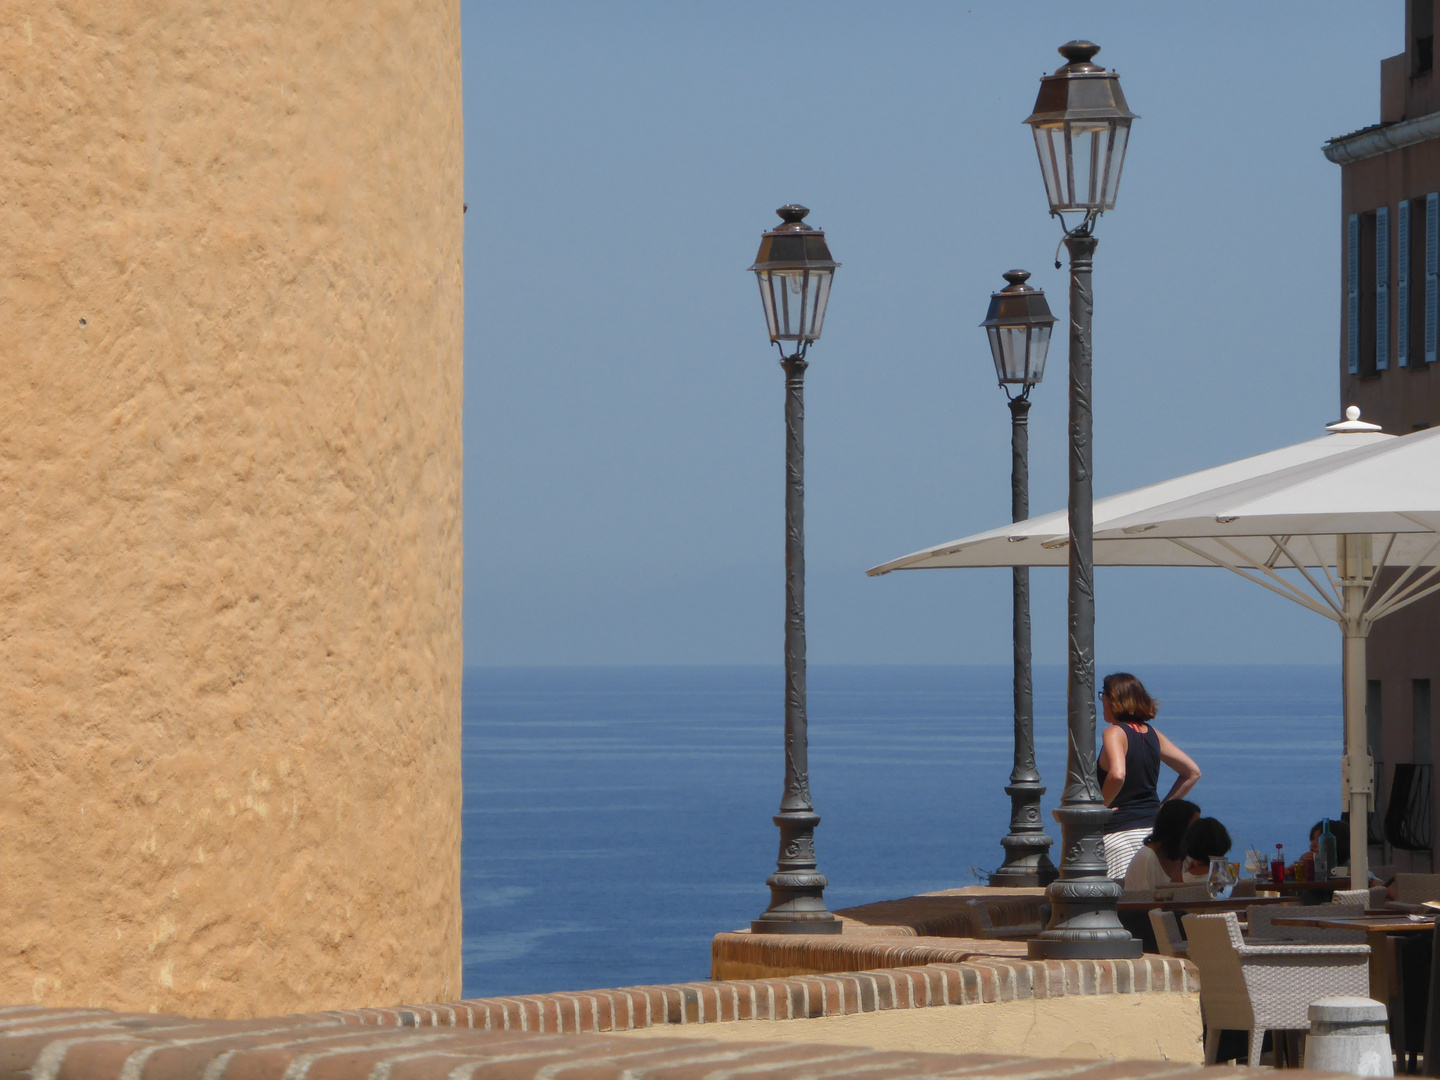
[1352,422]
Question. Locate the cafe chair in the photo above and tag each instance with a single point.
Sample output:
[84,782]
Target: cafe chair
[1372,898]
[1259,988]
[1417,888]
[1264,932]
[1167,933]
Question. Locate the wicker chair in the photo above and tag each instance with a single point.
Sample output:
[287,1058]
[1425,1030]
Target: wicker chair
[1167,933]
[1260,988]
[1263,932]
[1372,898]
[1417,888]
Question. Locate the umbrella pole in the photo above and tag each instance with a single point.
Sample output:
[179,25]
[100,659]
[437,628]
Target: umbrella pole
[1358,767]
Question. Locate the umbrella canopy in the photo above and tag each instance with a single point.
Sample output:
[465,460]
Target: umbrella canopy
[1041,541]
[1347,525]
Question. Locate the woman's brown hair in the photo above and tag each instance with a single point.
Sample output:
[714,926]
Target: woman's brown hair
[1128,699]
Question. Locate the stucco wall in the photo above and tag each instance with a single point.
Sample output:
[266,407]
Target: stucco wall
[230,554]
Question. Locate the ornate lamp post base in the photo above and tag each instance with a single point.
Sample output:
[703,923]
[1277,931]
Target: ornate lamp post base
[1027,848]
[1083,923]
[797,903]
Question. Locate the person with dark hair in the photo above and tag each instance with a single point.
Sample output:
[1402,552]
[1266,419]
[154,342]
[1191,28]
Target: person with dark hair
[1206,839]
[1129,768]
[1160,862]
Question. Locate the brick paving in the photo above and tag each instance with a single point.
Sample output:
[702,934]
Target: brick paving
[90,1044]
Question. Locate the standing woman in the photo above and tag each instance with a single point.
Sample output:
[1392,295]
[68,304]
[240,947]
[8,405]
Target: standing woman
[1129,768]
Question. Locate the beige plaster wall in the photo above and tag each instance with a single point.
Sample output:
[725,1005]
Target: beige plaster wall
[1141,1027]
[230,391]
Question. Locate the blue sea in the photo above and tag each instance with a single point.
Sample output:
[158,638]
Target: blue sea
[616,818]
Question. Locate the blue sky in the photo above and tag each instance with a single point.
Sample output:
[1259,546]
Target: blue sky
[624,443]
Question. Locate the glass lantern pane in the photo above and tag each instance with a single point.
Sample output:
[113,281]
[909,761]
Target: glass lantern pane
[767,298]
[1119,134]
[1011,357]
[1052,160]
[1039,347]
[817,295]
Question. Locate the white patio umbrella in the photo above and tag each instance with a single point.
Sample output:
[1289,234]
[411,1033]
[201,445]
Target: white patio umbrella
[1319,523]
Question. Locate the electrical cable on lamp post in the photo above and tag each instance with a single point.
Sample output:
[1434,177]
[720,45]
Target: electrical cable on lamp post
[1018,325]
[1081,126]
[794,269]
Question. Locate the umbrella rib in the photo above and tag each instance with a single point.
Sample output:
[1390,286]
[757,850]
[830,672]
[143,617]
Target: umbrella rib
[1304,573]
[1416,590]
[1404,579]
[1375,575]
[1284,588]
[1411,598]
[1336,585]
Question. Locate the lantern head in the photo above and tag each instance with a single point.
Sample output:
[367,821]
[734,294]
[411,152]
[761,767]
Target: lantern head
[1019,324]
[794,269]
[1081,125]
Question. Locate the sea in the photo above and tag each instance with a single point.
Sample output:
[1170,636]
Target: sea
[618,817]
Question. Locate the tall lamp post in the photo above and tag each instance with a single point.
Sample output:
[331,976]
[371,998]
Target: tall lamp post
[1018,324]
[1081,125]
[794,269]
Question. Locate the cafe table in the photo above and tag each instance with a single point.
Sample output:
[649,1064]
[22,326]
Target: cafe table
[1294,888]
[1203,906]
[1378,926]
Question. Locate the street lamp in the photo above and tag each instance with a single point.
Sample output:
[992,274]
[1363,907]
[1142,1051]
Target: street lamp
[1081,126]
[794,269]
[1018,324]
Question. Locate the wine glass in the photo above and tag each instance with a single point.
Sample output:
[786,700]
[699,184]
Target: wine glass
[1221,880]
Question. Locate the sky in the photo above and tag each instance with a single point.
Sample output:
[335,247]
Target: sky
[624,439]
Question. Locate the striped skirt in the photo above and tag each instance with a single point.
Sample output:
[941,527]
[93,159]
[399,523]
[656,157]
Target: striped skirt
[1120,848]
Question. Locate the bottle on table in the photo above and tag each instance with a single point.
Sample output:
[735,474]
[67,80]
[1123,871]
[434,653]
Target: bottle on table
[1277,865]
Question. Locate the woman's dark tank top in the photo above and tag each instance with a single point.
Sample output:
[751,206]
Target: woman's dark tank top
[1138,802]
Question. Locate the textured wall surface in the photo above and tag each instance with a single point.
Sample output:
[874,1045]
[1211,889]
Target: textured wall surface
[230,553]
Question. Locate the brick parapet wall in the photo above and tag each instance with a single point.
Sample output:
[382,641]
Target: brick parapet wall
[794,997]
[78,1044]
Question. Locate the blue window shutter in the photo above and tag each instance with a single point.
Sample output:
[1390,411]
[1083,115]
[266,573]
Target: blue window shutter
[1402,284]
[1352,290]
[1382,288]
[1432,273]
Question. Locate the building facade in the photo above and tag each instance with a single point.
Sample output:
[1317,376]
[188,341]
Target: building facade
[1389,347]
[230,559]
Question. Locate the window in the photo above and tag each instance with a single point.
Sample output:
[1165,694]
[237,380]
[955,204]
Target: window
[1432,275]
[1422,37]
[1382,288]
[1413,280]
[1362,294]
[1352,294]
[1410,282]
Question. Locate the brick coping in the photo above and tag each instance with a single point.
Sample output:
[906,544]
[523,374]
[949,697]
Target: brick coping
[973,982]
[91,1044]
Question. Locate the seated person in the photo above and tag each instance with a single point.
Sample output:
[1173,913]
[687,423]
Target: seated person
[1159,861]
[1206,839]
[1338,829]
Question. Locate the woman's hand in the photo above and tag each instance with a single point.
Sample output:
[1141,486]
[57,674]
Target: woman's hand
[1112,756]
